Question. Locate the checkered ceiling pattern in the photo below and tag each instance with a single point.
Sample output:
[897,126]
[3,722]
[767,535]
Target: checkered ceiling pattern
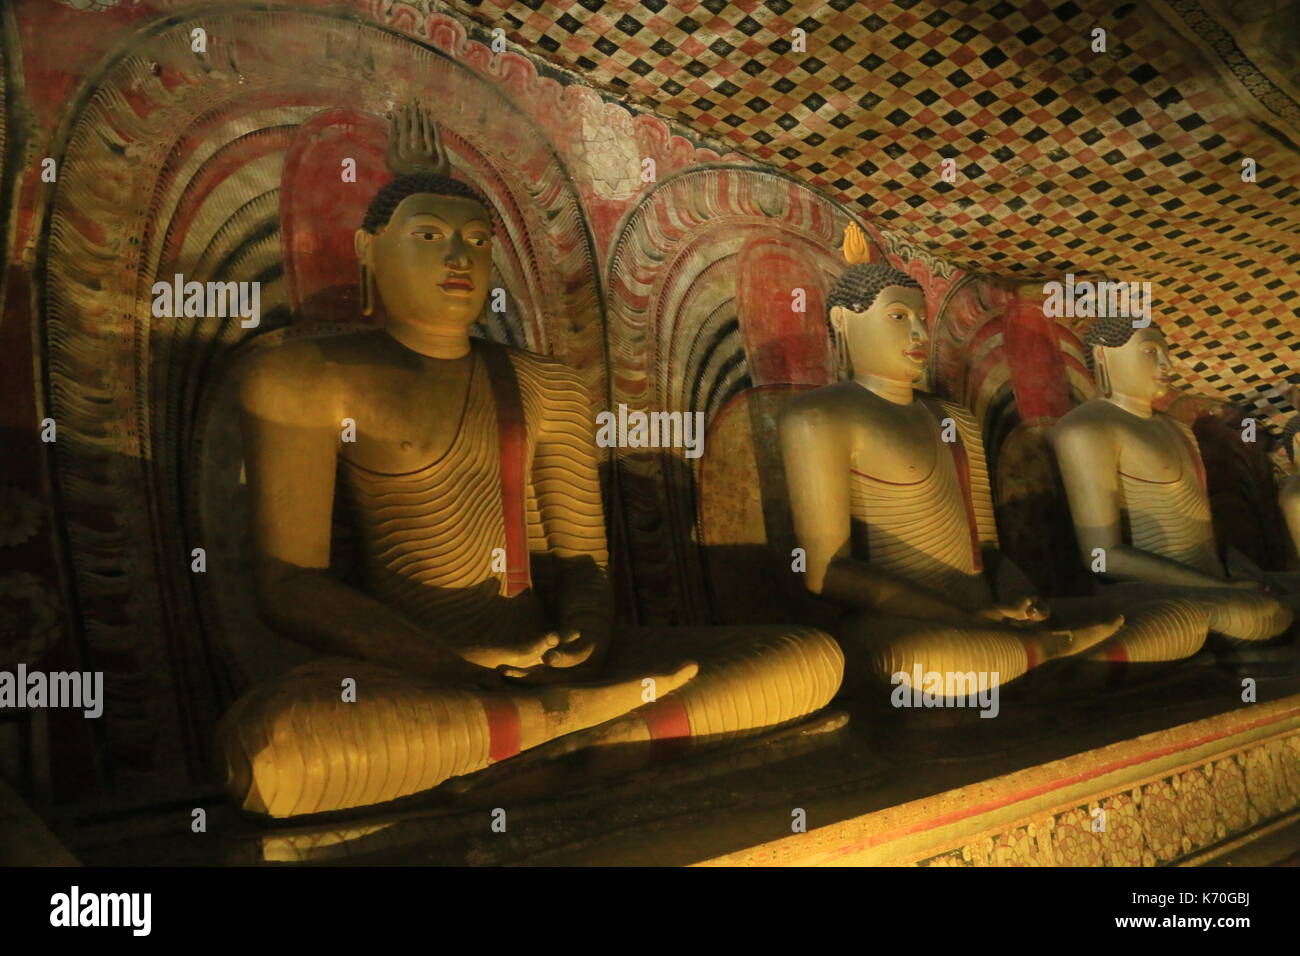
[1126,162]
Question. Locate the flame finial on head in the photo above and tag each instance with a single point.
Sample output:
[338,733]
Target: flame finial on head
[414,145]
[855,248]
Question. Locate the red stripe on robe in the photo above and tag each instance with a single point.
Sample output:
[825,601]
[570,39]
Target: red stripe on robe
[512,437]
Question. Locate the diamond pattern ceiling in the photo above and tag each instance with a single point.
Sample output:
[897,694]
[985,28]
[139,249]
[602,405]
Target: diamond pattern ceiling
[1127,161]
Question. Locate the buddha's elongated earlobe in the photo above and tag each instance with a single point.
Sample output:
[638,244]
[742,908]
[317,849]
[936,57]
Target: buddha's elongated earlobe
[367,290]
[839,337]
[1103,375]
[361,243]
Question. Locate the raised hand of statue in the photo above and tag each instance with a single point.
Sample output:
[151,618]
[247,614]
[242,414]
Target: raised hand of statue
[413,142]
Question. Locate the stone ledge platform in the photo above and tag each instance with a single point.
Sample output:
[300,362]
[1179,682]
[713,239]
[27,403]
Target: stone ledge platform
[1184,770]
[1182,795]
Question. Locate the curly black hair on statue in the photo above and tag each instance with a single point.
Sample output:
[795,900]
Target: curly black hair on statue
[380,210]
[1110,332]
[857,288]
[1288,436]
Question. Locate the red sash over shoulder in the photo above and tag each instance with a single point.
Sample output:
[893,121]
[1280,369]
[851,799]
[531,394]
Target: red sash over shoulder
[512,437]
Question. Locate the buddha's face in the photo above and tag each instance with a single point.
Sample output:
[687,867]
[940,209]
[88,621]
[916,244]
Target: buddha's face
[1140,368]
[890,338]
[432,263]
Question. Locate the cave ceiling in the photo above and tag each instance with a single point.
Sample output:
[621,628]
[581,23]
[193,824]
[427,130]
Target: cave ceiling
[1126,162]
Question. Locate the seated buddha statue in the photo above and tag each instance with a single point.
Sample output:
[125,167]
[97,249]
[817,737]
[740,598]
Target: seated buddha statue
[482,625]
[1136,489]
[891,504]
[1290,496]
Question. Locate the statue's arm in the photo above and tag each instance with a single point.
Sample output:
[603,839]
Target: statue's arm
[291,434]
[566,480]
[1290,501]
[1088,458]
[1017,598]
[817,477]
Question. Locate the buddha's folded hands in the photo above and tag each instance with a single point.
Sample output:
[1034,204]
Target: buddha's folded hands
[514,655]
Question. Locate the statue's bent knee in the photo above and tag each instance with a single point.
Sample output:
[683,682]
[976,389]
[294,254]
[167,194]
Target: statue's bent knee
[1250,617]
[298,746]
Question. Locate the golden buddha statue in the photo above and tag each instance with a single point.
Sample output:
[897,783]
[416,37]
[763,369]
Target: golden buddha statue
[472,473]
[891,503]
[1290,494]
[1136,487]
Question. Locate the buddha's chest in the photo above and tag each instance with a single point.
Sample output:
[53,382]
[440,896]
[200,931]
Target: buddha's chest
[898,444]
[1152,450]
[405,422]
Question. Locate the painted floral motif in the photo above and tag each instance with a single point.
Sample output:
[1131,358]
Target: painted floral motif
[1018,848]
[979,853]
[1161,820]
[1121,842]
[1076,843]
[1158,823]
[1228,785]
[609,146]
[1263,783]
[947,859]
[1197,805]
[1289,758]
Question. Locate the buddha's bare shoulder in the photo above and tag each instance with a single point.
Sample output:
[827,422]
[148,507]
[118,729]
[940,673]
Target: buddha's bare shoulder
[301,358]
[821,409]
[1088,430]
[306,373]
[827,400]
[1094,415]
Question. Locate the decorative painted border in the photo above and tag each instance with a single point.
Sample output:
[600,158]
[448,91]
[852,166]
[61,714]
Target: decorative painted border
[1195,20]
[1167,796]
